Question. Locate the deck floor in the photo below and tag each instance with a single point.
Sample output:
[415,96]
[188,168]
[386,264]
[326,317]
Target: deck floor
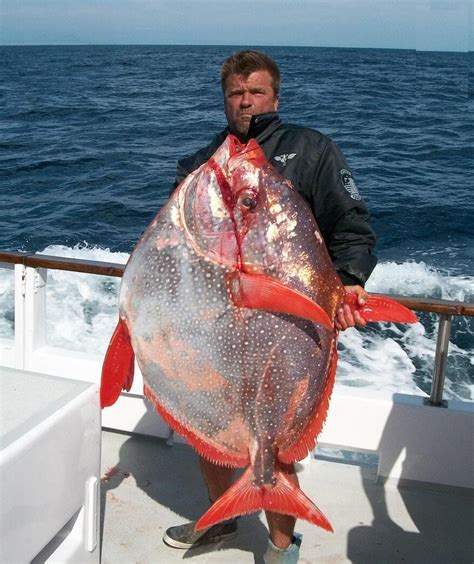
[148,486]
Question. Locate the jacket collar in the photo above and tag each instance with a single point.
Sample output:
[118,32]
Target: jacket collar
[262,126]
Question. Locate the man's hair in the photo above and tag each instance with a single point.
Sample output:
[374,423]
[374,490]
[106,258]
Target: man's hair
[247,62]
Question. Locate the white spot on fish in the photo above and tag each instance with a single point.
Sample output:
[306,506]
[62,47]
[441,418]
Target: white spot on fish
[216,204]
[251,176]
[174,213]
[290,225]
[272,232]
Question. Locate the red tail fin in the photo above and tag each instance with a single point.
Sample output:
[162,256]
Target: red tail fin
[245,497]
[117,370]
[378,308]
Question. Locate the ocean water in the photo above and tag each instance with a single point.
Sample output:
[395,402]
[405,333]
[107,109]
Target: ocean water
[90,136]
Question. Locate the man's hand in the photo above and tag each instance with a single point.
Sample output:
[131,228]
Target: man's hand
[345,317]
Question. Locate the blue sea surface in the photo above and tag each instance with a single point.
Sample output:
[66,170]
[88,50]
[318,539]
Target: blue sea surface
[90,137]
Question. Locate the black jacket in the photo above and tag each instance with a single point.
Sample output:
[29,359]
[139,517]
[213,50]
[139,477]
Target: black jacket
[318,170]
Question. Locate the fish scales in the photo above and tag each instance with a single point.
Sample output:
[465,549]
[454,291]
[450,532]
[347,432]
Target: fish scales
[227,302]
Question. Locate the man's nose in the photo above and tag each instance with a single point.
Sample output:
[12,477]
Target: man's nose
[246,100]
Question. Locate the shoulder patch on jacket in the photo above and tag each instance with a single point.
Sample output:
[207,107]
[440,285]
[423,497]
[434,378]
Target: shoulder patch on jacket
[349,184]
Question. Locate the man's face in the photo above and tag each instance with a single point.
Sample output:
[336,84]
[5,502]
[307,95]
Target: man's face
[246,96]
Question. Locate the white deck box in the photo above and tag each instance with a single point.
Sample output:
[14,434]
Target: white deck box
[49,468]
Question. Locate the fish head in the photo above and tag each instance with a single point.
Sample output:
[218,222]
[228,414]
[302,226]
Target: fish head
[266,211]
[205,204]
[231,207]
[239,212]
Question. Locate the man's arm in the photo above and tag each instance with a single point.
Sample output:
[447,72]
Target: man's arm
[344,222]
[343,218]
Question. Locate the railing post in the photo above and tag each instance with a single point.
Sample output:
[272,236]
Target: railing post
[441,356]
[34,314]
[20,291]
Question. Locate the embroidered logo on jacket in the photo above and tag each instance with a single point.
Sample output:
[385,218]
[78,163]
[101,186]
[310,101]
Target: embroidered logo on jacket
[349,184]
[283,159]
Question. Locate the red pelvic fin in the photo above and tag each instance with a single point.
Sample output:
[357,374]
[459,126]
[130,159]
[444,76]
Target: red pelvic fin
[118,367]
[379,308]
[246,497]
[257,291]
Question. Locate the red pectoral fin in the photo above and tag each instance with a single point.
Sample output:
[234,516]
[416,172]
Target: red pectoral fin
[378,308]
[258,291]
[117,370]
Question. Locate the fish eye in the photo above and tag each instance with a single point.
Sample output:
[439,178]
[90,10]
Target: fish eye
[249,202]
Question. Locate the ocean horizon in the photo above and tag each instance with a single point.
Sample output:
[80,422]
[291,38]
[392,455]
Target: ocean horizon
[231,46]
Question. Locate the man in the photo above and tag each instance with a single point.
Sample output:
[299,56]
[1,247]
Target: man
[318,170]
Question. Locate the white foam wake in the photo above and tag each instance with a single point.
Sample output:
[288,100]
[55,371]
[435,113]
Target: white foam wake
[82,314]
[82,308]
[419,279]
[401,358]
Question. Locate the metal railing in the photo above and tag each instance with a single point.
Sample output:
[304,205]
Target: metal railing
[446,309]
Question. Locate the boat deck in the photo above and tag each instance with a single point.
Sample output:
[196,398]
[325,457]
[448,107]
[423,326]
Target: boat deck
[148,486]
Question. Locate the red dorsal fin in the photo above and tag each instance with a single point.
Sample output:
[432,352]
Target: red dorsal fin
[118,367]
[257,291]
[246,497]
[379,308]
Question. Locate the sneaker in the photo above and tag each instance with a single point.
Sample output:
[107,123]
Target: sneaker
[290,555]
[184,536]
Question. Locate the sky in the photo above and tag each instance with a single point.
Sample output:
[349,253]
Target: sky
[434,25]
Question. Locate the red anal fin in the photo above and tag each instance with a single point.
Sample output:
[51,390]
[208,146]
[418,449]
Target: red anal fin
[257,291]
[118,367]
[246,497]
[204,448]
[379,308]
[307,440]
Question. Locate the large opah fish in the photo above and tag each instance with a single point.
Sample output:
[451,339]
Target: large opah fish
[228,302]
